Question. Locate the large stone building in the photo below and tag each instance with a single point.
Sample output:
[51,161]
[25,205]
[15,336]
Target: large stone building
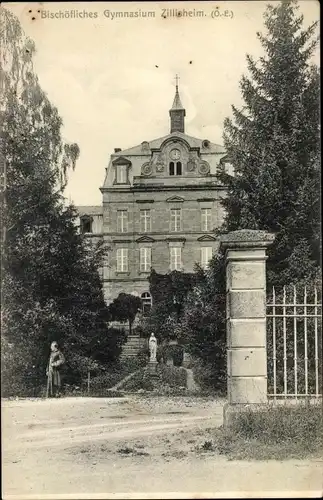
[160,206]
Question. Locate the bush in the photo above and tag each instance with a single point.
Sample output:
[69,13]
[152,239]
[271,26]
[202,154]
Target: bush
[143,356]
[169,380]
[19,377]
[172,375]
[140,381]
[208,377]
[101,383]
[176,353]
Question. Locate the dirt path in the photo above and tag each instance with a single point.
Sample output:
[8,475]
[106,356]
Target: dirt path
[190,382]
[83,446]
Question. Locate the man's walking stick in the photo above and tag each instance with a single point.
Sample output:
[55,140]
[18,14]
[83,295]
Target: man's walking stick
[49,377]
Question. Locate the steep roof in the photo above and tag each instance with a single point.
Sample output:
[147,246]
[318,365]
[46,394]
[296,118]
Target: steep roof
[89,210]
[177,101]
[156,144]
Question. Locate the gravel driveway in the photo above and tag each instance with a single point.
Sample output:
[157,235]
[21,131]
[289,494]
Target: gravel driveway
[139,447]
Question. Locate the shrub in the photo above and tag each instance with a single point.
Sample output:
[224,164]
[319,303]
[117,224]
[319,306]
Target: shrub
[140,381]
[19,377]
[173,376]
[101,383]
[176,353]
[169,380]
[143,356]
[208,377]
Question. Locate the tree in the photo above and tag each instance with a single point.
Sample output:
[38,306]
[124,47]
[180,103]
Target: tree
[168,292]
[274,146]
[51,286]
[125,308]
[202,327]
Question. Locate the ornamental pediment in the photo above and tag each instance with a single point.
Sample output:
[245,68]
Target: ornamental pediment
[175,199]
[206,237]
[121,160]
[145,239]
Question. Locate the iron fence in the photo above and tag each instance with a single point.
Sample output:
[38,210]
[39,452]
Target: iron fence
[294,343]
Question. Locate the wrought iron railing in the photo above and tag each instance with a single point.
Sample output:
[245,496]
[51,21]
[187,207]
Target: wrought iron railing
[294,343]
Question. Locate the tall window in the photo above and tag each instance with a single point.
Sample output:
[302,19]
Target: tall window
[145,259]
[175,168]
[121,174]
[86,224]
[122,260]
[206,219]
[175,219]
[206,256]
[122,221]
[145,221]
[146,302]
[175,258]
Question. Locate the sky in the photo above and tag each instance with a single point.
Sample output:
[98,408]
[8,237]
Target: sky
[112,78]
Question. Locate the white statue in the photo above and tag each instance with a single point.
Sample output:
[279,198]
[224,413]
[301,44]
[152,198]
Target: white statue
[153,347]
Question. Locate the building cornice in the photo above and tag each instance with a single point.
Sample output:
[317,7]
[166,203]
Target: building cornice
[153,234]
[122,241]
[120,279]
[175,238]
[160,188]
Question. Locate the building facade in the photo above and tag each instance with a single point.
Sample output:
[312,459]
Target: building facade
[160,206]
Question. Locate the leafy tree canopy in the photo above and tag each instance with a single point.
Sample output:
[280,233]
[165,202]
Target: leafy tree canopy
[125,308]
[51,284]
[273,143]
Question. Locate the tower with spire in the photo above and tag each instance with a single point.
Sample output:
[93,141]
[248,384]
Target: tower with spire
[177,113]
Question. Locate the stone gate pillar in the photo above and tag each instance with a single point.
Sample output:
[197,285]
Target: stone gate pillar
[246,316]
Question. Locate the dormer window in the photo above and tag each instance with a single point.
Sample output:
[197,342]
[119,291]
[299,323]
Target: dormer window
[121,167]
[86,224]
[121,174]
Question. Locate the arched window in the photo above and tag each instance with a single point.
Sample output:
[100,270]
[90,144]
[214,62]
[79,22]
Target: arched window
[86,224]
[146,302]
[175,169]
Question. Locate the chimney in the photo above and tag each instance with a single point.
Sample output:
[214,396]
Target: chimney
[145,146]
[117,150]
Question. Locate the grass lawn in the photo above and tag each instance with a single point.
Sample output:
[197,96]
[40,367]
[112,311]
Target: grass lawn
[280,433]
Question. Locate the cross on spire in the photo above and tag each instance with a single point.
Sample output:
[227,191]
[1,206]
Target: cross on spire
[176,80]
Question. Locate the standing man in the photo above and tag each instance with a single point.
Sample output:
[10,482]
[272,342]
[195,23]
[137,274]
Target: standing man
[56,360]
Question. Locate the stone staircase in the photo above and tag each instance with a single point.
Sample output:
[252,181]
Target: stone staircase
[131,347]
